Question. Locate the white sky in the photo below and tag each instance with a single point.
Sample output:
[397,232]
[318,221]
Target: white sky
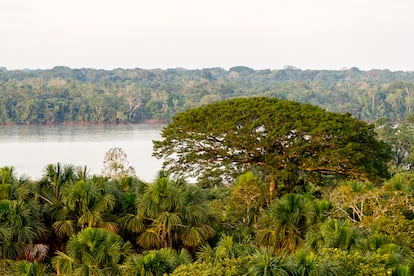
[309,34]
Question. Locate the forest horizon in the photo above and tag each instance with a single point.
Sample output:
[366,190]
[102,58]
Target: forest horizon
[64,95]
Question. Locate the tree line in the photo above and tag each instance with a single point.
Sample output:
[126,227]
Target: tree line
[65,95]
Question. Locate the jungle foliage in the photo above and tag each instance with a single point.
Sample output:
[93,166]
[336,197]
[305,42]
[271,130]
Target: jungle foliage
[74,224]
[71,223]
[64,95]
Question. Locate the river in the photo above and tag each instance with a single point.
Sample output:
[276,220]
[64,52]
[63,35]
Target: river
[29,149]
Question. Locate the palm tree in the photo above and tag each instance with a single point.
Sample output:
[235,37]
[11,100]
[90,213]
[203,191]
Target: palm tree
[206,254]
[283,225]
[228,247]
[309,264]
[195,229]
[158,205]
[164,194]
[154,262]
[84,204]
[335,233]
[7,178]
[20,215]
[53,181]
[89,200]
[169,212]
[82,173]
[8,249]
[7,175]
[20,224]
[26,268]
[49,192]
[93,251]
[73,201]
[322,207]
[341,234]
[265,263]
[14,188]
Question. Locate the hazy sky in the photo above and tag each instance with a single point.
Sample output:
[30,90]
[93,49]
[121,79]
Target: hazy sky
[309,34]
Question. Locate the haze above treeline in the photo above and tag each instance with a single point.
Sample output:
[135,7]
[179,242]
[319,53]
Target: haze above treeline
[65,95]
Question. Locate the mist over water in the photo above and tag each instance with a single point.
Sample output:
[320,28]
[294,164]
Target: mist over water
[29,149]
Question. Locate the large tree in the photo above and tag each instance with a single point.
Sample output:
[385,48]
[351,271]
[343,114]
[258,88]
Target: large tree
[286,142]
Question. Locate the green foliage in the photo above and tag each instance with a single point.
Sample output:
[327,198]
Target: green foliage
[401,138]
[74,202]
[92,251]
[350,228]
[170,212]
[62,94]
[340,234]
[284,224]
[357,263]
[284,142]
[402,181]
[26,268]
[155,262]
[19,224]
[249,196]
[228,267]
[267,264]
[309,263]
[385,210]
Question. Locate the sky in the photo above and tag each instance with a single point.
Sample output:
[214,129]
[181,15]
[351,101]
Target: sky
[195,34]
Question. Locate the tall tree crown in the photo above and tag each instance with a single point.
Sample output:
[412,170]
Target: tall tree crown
[278,138]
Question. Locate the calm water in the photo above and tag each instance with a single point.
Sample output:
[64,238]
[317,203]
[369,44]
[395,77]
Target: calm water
[30,148]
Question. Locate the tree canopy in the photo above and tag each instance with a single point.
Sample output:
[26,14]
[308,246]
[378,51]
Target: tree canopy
[284,141]
[63,95]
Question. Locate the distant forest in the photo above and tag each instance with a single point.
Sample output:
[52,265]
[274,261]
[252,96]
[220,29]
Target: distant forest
[65,95]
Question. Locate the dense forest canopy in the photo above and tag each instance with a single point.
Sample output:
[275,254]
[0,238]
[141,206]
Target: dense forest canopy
[62,94]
